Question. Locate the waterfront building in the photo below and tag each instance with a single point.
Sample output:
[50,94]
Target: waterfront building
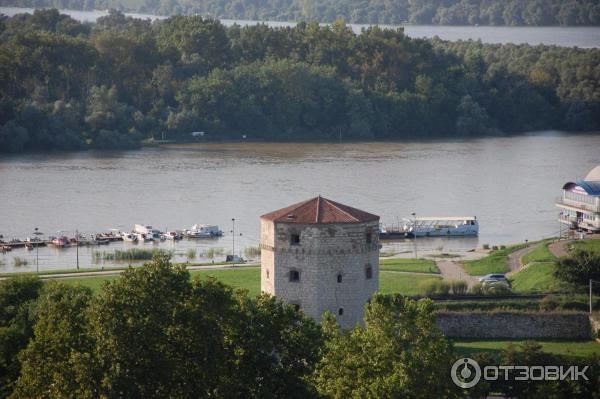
[320,255]
[580,203]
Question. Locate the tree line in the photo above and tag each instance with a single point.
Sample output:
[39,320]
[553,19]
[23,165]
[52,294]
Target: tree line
[154,332]
[66,85]
[443,12]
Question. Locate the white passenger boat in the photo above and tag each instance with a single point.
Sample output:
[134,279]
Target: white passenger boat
[141,237]
[442,226]
[173,235]
[203,231]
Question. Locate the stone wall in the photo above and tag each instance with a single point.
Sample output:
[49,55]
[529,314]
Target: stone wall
[515,325]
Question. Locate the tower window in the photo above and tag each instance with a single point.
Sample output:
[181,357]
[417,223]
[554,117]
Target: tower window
[369,272]
[369,238]
[339,278]
[341,311]
[267,273]
[295,240]
[294,275]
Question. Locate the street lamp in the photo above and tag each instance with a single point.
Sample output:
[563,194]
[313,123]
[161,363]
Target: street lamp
[414,215]
[37,251]
[233,241]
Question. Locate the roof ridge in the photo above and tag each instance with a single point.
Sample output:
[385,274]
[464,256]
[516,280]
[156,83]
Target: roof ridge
[335,205]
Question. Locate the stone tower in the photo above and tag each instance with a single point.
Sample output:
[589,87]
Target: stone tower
[320,255]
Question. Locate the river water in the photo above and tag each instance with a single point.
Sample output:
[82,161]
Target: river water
[509,183]
[584,37]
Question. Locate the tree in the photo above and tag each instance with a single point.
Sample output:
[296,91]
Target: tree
[398,353]
[579,268]
[59,361]
[17,294]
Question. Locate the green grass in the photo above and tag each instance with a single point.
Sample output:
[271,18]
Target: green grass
[537,277]
[495,262]
[249,278]
[540,254]
[564,348]
[409,265]
[586,245]
[406,284]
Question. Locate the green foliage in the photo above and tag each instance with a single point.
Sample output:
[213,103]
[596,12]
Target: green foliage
[190,254]
[252,252]
[398,353]
[433,287]
[537,277]
[111,85]
[130,254]
[579,268]
[17,261]
[540,254]
[459,287]
[444,12]
[17,294]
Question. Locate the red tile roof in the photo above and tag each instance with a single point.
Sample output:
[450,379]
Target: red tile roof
[319,210]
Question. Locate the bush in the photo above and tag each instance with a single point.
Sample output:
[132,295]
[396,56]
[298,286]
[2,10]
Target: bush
[20,261]
[502,246]
[486,246]
[190,254]
[443,287]
[477,289]
[495,248]
[252,252]
[459,287]
[549,303]
[496,289]
[428,287]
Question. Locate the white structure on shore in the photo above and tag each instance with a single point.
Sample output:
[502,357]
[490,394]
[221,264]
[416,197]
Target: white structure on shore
[320,255]
[580,203]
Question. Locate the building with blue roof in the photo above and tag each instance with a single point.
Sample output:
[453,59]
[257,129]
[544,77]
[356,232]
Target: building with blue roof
[580,203]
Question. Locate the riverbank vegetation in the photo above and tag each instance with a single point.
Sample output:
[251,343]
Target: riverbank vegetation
[409,265]
[442,12]
[110,85]
[495,262]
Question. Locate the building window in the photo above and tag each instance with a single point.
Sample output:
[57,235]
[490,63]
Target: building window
[294,275]
[369,238]
[369,272]
[341,311]
[339,278]
[295,239]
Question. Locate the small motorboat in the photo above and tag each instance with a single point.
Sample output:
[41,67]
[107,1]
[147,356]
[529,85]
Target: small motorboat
[29,246]
[141,237]
[101,241]
[5,248]
[172,235]
[129,237]
[203,231]
[60,242]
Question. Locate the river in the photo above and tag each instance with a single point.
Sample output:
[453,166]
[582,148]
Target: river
[509,183]
[584,37]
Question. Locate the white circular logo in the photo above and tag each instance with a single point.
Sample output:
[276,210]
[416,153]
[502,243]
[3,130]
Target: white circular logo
[465,372]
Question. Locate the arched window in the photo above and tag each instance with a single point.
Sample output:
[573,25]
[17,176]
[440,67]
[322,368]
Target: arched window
[294,275]
[339,278]
[341,311]
[369,272]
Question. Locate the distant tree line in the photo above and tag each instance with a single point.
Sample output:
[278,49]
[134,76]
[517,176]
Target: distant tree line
[443,12]
[155,332]
[67,85]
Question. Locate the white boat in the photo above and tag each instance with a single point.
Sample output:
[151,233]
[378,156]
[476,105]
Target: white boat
[442,226]
[173,235]
[129,237]
[203,231]
[141,237]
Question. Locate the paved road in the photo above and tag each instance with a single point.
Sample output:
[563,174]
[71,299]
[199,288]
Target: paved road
[453,271]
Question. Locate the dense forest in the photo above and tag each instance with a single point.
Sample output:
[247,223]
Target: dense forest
[444,12]
[66,85]
[155,332]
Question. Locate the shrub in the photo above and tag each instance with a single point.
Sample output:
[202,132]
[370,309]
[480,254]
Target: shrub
[486,246]
[190,254]
[549,302]
[496,289]
[459,287]
[495,248]
[252,252]
[428,287]
[212,252]
[477,289]
[502,246]
[20,261]
[443,287]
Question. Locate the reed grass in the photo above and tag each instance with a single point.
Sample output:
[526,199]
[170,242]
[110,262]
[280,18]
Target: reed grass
[19,261]
[128,255]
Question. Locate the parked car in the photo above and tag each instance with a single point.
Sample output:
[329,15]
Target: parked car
[493,277]
[496,286]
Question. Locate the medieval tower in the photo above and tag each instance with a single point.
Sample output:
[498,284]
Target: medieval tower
[320,255]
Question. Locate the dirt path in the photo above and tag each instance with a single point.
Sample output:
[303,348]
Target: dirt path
[559,248]
[514,259]
[453,271]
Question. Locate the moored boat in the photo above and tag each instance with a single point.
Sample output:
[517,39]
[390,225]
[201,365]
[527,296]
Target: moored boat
[129,237]
[203,231]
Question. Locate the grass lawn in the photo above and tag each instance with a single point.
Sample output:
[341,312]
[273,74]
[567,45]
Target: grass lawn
[406,284]
[540,254]
[587,245]
[537,277]
[409,265]
[249,278]
[565,348]
[495,262]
